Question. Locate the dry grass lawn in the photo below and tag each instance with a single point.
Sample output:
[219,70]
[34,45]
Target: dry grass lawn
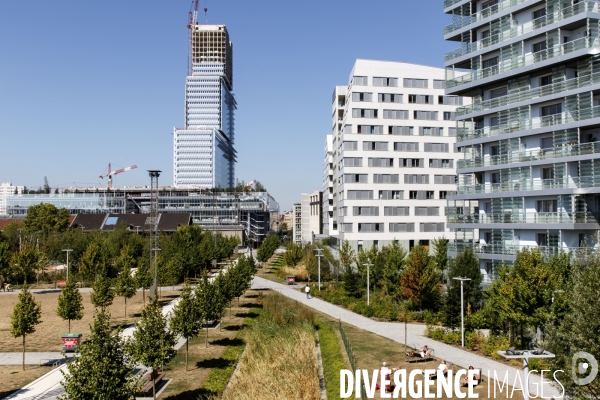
[48,332]
[13,377]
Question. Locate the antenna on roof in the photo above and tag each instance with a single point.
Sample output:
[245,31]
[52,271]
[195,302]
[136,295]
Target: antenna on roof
[205,10]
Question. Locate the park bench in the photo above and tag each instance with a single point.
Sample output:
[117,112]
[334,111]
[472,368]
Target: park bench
[147,388]
[430,356]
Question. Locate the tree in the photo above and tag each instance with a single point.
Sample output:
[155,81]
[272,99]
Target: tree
[46,186]
[465,265]
[346,255]
[103,369]
[126,286]
[70,303]
[292,255]
[352,282]
[26,315]
[420,282]
[103,295]
[392,270]
[185,321]
[5,258]
[152,343]
[93,260]
[258,187]
[26,261]
[268,247]
[205,296]
[440,253]
[143,277]
[46,218]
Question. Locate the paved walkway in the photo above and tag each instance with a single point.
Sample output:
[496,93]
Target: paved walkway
[31,358]
[415,337]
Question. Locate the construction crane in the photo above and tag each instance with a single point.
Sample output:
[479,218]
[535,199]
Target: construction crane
[192,18]
[250,184]
[110,174]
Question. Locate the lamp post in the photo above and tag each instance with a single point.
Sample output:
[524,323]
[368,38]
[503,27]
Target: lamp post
[137,229]
[68,251]
[319,255]
[462,319]
[368,265]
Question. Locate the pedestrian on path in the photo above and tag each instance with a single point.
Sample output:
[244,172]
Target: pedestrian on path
[307,290]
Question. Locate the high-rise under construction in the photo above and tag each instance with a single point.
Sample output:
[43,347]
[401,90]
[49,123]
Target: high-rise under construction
[203,151]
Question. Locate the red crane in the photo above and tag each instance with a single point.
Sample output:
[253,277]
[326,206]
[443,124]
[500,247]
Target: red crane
[110,174]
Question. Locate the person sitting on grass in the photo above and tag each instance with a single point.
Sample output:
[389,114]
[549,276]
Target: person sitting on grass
[422,354]
[386,372]
[443,367]
[464,381]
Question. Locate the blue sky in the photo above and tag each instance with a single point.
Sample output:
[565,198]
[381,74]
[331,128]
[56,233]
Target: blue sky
[85,83]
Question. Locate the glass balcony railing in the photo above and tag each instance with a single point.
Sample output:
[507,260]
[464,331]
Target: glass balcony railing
[460,21]
[554,88]
[522,124]
[531,155]
[524,218]
[510,249]
[517,61]
[469,47]
[531,185]
[448,3]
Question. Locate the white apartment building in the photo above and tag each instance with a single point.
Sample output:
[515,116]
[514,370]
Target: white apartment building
[393,156]
[329,222]
[297,227]
[312,218]
[6,190]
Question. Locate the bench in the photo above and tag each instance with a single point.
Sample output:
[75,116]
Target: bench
[430,356]
[147,388]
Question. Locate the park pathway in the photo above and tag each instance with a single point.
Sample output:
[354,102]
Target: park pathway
[415,337]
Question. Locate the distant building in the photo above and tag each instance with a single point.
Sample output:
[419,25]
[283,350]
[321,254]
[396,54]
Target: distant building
[7,189]
[297,224]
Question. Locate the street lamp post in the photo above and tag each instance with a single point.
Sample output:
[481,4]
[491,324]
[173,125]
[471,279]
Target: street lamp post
[368,265]
[68,251]
[462,318]
[319,255]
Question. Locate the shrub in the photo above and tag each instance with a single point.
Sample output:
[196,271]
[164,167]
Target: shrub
[452,337]
[435,332]
[474,340]
[493,344]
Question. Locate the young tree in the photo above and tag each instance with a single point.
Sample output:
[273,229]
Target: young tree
[126,286]
[465,265]
[222,295]
[5,258]
[26,261]
[392,270]
[70,303]
[152,343]
[440,253]
[205,296]
[143,277]
[352,282]
[268,247]
[93,260]
[26,315]
[420,282]
[103,369]
[103,295]
[185,321]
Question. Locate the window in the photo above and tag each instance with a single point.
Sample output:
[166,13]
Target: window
[370,129]
[416,179]
[406,146]
[444,179]
[364,113]
[342,211]
[355,178]
[401,130]
[387,82]
[495,150]
[415,83]
[375,146]
[395,114]
[427,211]
[494,121]
[450,100]
[539,13]
[368,228]
[547,173]
[389,98]
[360,81]
[420,195]
[362,96]
[391,195]
[396,211]
[359,195]
[402,227]
[352,161]
[441,163]
[427,115]
[551,110]
[365,211]
[485,34]
[488,4]
[449,116]
[547,206]
[439,84]
[411,163]
[381,162]
[542,239]
[547,143]
[451,131]
[349,145]
[490,62]
[432,227]
[498,92]
[540,46]
[386,178]
[546,80]
[430,131]
[346,228]
[437,147]
[420,99]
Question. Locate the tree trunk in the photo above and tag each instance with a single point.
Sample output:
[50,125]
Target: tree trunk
[186,354]
[153,384]
[69,326]
[238,302]
[207,335]
[144,296]
[23,352]
[125,309]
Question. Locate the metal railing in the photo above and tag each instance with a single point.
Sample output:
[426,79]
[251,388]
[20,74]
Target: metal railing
[521,124]
[532,184]
[525,218]
[448,3]
[528,94]
[567,150]
[517,61]
[348,347]
[469,47]
[511,249]
[462,21]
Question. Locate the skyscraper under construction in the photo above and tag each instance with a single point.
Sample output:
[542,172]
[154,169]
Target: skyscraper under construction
[203,151]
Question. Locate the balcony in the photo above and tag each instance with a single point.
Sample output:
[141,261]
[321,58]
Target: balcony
[522,124]
[531,185]
[448,3]
[559,15]
[517,61]
[525,218]
[531,155]
[524,95]
[462,21]
[510,249]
